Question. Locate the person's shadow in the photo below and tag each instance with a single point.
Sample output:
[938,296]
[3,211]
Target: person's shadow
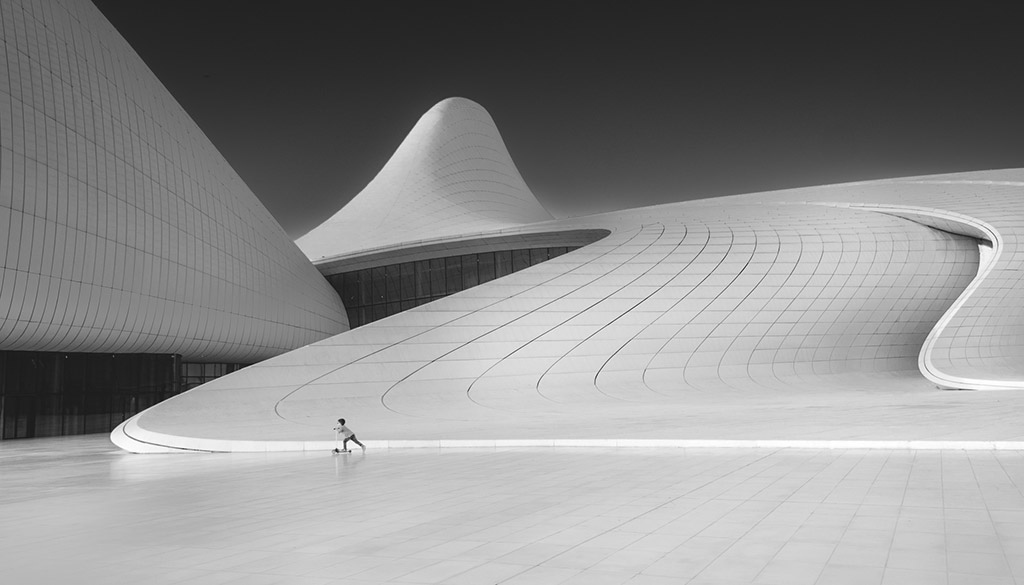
[347,460]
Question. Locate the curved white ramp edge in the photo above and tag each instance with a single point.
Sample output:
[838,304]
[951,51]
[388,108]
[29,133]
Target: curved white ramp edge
[979,342]
[124,436]
[991,242]
[815,316]
[374,445]
[745,308]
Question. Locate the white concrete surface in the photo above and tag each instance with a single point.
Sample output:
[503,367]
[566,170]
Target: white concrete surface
[754,312]
[979,343]
[796,315]
[77,510]
[122,228]
[752,307]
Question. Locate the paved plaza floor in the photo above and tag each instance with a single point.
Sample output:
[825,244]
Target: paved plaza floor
[79,510]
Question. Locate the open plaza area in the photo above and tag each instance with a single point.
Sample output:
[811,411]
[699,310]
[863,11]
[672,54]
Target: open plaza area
[79,510]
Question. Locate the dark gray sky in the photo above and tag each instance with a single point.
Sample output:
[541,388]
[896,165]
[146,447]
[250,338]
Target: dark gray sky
[602,108]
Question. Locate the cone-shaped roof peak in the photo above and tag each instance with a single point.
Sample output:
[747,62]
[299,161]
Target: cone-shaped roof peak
[451,175]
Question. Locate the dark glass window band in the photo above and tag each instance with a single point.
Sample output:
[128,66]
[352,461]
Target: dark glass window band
[371,294]
[49,394]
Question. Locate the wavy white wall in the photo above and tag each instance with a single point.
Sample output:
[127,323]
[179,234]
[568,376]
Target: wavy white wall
[980,344]
[122,229]
[679,302]
[840,288]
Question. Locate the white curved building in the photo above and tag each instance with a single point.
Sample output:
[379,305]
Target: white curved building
[747,305]
[451,176]
[122,229]
[128,245]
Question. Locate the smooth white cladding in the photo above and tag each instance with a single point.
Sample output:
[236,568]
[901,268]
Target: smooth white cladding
[722,297]
[122,229]
[451,176]
[979,344]
[793,293]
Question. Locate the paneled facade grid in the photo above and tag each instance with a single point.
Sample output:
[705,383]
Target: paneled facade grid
[122,229]
[767,299]
[980,344]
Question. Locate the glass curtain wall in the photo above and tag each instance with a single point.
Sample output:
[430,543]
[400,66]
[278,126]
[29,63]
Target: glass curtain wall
[49,394]
[374,293]
[195,374]
[46,394]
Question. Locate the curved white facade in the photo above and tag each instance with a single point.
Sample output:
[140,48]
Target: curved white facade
[979,344]
[451,176]
[714,304]
[122,229]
